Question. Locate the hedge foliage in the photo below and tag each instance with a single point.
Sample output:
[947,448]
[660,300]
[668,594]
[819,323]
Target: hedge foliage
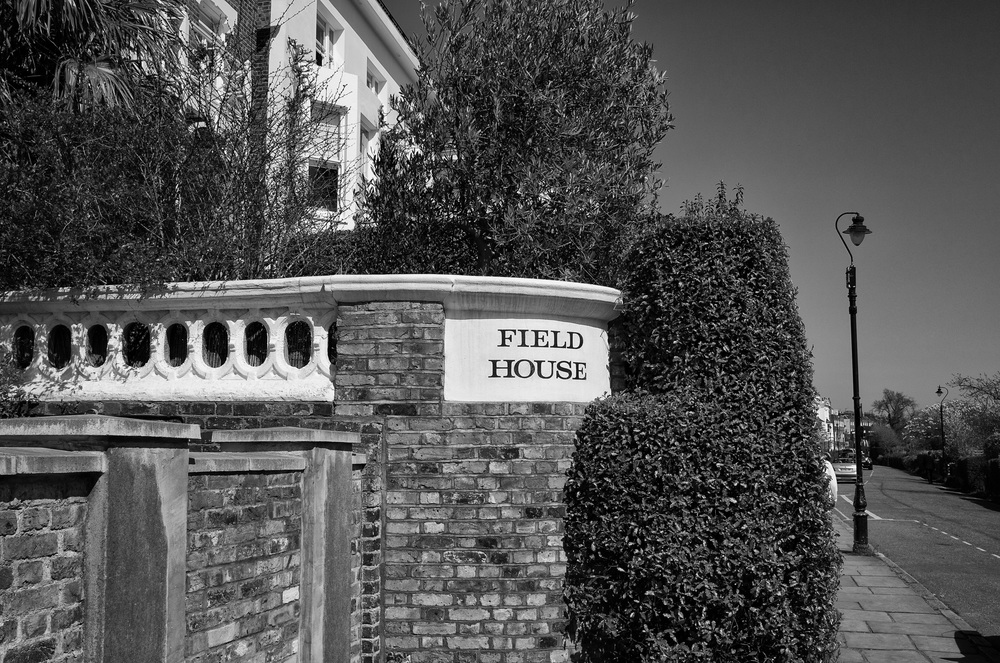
[696,526]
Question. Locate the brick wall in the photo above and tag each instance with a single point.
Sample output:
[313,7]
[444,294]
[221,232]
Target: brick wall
[473,542]
[208,414]
[390,363]
[243,564]
[366,541]
[456,549]
[41,568]
[469,499]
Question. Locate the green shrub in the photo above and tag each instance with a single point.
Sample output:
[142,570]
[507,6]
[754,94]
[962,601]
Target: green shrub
[694,533]
[695,525]
[709,303]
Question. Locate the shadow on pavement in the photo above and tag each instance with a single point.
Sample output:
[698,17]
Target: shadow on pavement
[968,643]
[979,501]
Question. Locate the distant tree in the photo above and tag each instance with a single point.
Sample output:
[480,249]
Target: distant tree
[895,407]
[525,148]
[984,388]
[923,429]
[883,441]
[983,394]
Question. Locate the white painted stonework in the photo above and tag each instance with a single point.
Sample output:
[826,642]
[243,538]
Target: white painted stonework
[505,339]
[524,358]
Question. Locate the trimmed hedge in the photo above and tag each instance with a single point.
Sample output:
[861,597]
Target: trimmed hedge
[696,527]
[695,535]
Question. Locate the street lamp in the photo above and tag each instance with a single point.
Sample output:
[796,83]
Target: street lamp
[938,392]
[857,232]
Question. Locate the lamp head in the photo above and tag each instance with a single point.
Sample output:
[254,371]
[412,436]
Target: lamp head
[938,392]
[858,230]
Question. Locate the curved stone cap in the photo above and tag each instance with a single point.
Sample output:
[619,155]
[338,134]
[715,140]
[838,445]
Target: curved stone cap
[457,293]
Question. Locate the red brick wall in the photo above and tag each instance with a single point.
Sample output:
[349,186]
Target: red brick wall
[243,562]
[41,568]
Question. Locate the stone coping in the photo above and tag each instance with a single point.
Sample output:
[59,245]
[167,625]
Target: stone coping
[91,426]
[457,293]
[220,462]
[35,460]
[281,436]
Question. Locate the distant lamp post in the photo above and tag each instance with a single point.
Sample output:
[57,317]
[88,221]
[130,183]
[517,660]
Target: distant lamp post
[943,396]
[857,232]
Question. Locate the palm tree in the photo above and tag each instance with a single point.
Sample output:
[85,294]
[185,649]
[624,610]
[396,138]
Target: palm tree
[87,52]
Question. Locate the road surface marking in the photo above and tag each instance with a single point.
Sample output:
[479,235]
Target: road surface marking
[870,514]
[958,539]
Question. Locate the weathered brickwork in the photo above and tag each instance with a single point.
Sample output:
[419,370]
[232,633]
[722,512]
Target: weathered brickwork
[242,415]
[208,415]
[468,497]
[41,568]
[390,362]
[243,566]
[473,542]
[457,520]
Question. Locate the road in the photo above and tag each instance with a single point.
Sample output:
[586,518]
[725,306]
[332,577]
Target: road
[948,541]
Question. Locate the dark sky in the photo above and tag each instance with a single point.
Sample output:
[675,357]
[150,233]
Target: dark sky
[888,108]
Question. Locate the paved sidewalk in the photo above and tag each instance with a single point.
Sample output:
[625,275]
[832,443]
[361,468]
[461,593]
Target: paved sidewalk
[888,617]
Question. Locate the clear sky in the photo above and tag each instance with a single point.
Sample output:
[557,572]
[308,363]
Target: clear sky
[890,108]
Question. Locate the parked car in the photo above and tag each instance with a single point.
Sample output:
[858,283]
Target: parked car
[846,469]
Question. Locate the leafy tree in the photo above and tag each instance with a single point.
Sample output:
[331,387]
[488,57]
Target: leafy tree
[896,407]
[108,195]
[923,429]
[884,441]
[87,52]
[525,147]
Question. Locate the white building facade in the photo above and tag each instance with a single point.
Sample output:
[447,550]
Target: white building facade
[361,59]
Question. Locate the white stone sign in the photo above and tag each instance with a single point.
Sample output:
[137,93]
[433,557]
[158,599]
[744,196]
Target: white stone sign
[524,358]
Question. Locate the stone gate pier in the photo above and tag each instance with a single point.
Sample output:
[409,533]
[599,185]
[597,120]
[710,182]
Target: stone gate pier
[344,468]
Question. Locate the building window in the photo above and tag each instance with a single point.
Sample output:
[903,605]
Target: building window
[323,178]
[137,342]
[206,35]
[374,82]
[97,345]
[326,42]
[177,344]
[366,144]
[327,118]
[60,346]
[24,346]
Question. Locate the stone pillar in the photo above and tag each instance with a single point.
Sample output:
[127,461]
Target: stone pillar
[135,536]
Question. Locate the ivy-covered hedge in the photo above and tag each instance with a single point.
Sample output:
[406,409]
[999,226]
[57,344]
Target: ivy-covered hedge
[696,526]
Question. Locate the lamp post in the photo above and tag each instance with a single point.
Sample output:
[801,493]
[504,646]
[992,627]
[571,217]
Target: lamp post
[857,232]
[938,392]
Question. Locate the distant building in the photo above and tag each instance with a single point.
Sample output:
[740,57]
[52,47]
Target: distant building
[362,59]
[842,422]
[824,422]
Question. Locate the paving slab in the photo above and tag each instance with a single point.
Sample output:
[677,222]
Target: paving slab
[888,617]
